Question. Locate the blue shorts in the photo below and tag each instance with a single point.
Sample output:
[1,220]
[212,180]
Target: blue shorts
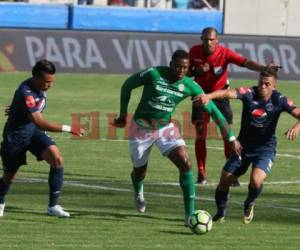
[260,159]
[16,143]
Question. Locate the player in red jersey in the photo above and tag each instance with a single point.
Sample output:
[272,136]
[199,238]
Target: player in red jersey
[208,65]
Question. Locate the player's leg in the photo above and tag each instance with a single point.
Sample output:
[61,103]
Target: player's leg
[140,144]
[224,106]
[5,182]
[261,168]
[138,175]
[255,188]
[222,195]
[200,120]
[233,168]
[173,146]
[11,163]
[55,179]
[179,156]
[44,148]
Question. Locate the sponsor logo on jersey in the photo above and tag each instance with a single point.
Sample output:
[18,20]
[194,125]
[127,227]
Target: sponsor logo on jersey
[169,91]
[259,115]
[218,70]
[29,101]
[181,87]
[269,107]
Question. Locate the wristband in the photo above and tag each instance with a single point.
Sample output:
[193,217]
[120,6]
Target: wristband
[231,138]
[66,128]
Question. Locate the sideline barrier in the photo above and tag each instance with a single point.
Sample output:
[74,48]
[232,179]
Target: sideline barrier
[145,20]
[50,16]
[25,15]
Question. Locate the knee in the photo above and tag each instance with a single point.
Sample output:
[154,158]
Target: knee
[255,183]
[185,165]
[58,161]
[140,172]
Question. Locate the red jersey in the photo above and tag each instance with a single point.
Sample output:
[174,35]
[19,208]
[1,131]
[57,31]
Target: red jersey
[216,77]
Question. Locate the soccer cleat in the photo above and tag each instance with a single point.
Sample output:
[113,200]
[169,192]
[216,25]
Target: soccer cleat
[236,183]
[58,211]
[248,214]
[139,202]
[218,218]
[201,179]
[2,206]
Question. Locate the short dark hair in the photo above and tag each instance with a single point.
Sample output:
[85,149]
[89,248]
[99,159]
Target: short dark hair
[209,30]
[43,67]
[180,54]
[269,73]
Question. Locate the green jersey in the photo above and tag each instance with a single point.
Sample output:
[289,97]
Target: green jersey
[160,97]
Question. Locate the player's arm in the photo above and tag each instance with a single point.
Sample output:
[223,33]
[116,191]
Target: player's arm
[220,120]
[237,59]
[259,67]
[42,123]
[293,132]
[131,83]
[226,130]
[225,93]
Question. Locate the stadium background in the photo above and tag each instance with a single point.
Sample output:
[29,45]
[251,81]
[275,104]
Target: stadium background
[97,39]
[109,43]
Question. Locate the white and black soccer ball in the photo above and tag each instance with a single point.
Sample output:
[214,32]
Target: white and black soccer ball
[200,222]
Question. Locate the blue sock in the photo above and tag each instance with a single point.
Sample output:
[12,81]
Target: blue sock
[253,193]
[221,199]
[55,181]
[4,188]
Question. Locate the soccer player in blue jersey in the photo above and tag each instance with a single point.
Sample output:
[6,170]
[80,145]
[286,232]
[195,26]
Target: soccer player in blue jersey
[164,88]
[262,106]
[25,131]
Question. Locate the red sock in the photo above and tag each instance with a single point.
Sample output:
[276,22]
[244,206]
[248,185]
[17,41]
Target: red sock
[200,152]
[227,149]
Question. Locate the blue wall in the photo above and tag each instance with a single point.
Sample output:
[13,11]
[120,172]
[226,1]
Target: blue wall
[24,15]
[146,20]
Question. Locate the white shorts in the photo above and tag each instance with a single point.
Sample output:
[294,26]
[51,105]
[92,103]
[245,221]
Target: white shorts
[142,139]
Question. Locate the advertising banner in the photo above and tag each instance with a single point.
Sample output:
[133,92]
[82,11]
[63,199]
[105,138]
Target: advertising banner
[128,52]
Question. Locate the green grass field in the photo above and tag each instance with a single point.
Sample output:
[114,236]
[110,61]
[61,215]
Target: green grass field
[98,192]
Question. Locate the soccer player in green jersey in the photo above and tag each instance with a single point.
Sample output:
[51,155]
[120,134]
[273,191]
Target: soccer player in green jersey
[164,88]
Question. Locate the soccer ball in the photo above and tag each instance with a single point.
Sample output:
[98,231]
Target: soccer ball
[200,222]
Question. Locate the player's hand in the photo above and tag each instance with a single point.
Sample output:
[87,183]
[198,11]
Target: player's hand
[292,133]
[6,110]
[237,148]
[120,122]
[200,100]
[271,66]
[205,67]
[77,130]
[202,68]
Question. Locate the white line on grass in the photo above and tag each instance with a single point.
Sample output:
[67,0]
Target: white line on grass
[127,190]
[215,148]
